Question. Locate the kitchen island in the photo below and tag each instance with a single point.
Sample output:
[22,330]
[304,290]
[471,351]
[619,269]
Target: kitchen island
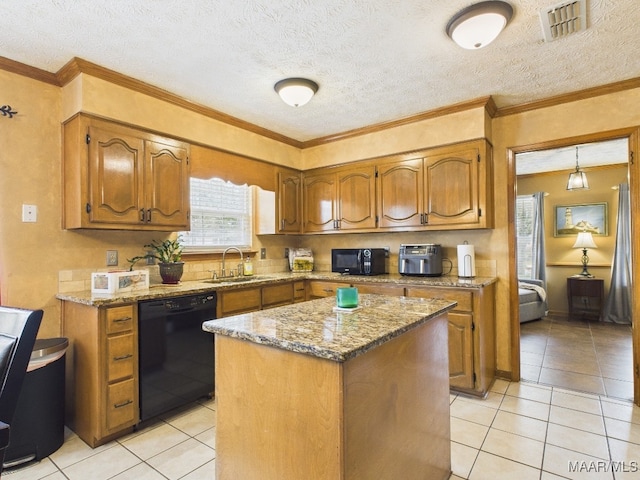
[306,392]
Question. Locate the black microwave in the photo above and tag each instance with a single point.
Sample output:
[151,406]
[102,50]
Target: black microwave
[359,261]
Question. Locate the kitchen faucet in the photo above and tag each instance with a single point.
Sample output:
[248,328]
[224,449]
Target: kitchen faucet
[223,273]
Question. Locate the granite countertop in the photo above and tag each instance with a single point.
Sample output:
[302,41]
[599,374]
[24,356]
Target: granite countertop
[193,287]
[314,328]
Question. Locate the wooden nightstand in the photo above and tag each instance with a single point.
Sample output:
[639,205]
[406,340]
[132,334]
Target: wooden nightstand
[585,296]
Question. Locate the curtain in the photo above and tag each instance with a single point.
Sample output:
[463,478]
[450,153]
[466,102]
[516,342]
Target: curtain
[617,308]
[538,260]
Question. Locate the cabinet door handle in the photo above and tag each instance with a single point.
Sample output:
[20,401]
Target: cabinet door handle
[148,215]
[142,214]
[123,404]
[123,357]
[328,290]
[120,320]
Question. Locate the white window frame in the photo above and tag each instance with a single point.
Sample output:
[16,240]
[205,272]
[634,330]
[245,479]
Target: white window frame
[525,205]
[213,210]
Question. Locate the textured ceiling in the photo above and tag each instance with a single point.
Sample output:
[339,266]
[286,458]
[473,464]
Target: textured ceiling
[597,154]
[375,60]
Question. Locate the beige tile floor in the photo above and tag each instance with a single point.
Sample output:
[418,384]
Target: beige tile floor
[179,445]
[520,431]
[529,431]
[582,355]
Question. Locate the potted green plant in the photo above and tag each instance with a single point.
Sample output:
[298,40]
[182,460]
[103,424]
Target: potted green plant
[168,254]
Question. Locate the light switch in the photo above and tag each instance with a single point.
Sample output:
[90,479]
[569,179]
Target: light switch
[29,213]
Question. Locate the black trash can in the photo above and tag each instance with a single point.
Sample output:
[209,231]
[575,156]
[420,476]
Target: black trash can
[37,429]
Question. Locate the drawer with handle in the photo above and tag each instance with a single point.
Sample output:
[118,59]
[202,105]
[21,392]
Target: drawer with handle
[318,289]
[120,357]
[463,297]
[121,405]
[119,319]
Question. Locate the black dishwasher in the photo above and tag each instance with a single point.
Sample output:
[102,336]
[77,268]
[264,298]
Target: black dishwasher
[175,354]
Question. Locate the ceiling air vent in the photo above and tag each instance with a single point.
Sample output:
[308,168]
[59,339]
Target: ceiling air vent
[563,19]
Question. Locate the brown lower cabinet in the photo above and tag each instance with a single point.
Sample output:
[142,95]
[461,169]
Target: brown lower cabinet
[472,350]
[102,385]
[234,302]
[251,299]
[277,295]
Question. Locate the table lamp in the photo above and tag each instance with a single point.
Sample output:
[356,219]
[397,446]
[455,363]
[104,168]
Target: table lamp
[584,241]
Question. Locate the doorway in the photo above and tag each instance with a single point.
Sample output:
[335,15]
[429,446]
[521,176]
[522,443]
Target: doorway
[577,354]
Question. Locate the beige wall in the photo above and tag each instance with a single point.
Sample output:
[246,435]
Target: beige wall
[562,260]
[31,255]
[456,127]
[30,173]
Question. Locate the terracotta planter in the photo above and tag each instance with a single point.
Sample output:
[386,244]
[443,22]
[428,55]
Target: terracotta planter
[171,273]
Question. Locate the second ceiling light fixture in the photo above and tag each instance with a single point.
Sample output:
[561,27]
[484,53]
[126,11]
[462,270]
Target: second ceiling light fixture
[478,25]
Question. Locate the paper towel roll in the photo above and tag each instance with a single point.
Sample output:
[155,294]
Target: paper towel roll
[466,261]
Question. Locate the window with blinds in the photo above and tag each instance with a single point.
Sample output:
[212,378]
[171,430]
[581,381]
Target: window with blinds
[524,234]
[220,216]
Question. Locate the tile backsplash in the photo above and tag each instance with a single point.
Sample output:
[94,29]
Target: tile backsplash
[80,279]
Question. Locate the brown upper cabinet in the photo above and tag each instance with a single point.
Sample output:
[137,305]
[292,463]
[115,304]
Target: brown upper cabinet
[441,188]
[118,177]
[340,199]
[289,201]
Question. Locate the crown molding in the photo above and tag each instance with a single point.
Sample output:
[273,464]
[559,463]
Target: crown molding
[76,66]
[27,71]
[486,102]
[570,97]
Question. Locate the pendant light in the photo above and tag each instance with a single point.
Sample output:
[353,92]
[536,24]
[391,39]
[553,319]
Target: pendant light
[478,25]
[578,179]
[296,91]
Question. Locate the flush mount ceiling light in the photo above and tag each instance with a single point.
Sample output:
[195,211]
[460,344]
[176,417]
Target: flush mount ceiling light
[478,25]
[296,91]
[578,179]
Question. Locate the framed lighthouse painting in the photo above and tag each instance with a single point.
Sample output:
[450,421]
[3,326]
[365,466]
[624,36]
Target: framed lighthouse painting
[587,217]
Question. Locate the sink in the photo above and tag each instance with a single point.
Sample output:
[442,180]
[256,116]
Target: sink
[248,278]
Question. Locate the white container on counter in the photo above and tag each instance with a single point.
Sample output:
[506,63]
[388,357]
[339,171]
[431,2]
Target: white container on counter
[466,261]
[120,281]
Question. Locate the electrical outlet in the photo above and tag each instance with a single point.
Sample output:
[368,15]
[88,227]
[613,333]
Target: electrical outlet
[150,260]
[286,253]
[387,251]
[263,253]
[112,258]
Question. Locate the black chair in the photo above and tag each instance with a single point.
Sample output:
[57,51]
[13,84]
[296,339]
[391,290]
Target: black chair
[18,331]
